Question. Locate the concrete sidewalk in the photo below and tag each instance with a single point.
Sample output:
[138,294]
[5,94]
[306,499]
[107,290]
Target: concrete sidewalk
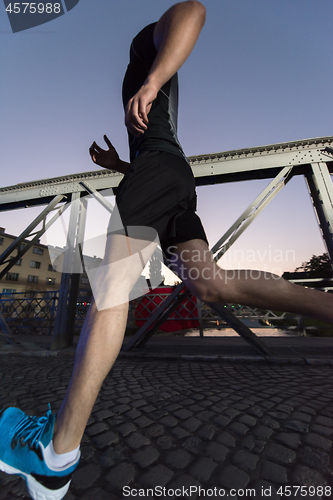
[215,345]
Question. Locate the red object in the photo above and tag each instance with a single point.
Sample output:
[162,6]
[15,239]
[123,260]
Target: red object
[187,310]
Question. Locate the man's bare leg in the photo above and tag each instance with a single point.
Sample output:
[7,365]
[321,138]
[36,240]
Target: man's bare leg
[101,337]
[196,266]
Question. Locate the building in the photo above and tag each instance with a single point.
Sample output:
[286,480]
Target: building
[34,272]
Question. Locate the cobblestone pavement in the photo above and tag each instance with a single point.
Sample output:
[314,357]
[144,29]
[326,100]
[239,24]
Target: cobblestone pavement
[179,424]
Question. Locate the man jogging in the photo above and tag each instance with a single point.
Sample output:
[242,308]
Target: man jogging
[156,202]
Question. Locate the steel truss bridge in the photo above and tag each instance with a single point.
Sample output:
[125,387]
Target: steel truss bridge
[311,158]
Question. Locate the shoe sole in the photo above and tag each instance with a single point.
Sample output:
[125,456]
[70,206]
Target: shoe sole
[36,490]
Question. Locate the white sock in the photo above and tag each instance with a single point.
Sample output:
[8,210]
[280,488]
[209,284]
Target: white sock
[52,458]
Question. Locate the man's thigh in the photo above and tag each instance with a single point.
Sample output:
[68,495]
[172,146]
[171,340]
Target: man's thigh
[124,261]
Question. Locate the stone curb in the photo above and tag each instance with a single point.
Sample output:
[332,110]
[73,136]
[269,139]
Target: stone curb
[187,357]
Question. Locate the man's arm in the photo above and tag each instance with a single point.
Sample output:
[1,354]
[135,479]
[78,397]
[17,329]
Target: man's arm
[108,158]
[175,36]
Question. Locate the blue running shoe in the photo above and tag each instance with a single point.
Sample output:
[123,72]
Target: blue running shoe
[22,443]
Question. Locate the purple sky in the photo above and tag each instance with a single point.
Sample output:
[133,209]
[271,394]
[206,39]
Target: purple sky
[260,74]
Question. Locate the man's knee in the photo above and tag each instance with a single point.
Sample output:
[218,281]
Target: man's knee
[207,290]
[216,286]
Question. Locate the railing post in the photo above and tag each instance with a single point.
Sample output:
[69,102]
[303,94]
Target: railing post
[200,318]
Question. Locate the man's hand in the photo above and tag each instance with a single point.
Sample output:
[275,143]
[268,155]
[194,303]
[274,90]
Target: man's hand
[107,158]
[104,158]
[137,109]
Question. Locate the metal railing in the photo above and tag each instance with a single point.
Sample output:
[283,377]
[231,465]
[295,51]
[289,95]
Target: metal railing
[34,312]
[29,312]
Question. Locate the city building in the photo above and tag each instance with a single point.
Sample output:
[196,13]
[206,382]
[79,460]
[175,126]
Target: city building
[35,271]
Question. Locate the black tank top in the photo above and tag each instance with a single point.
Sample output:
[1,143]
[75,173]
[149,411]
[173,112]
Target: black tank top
[161,134]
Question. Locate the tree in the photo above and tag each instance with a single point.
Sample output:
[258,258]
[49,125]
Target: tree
[318,266]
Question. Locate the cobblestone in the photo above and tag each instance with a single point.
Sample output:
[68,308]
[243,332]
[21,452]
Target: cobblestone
[221,420]
[245,460]
[165,443]
[280,454]
[103,414]
[154,430]
[202,469]
[86,476]
[274,472]
[191,424]
[169,421]
[324,421]
[308,477]
[270,422]
[232,477]
[326,431]
[112,456]
[318,441]
[316,459]
[146,456]
[158,475]
[179,433]
[247,420]
[297,425]
[121,475]
[262,432]
[182,423]
[126,429]
[178,459]
[227,439]
[93,430]
[216,451]
[194,445]
[207,431]
[238,428]
[290,439]
[136,440]
[105,439]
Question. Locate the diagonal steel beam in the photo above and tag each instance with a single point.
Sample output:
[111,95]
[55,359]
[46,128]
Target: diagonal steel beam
[29,232]
[245,332]
[158,318]
[320,187]
[140,338]
[252,211]
[91,190]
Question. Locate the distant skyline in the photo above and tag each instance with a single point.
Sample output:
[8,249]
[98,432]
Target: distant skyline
[260,74]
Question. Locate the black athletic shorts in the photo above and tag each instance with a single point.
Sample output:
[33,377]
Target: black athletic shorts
[158,191]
